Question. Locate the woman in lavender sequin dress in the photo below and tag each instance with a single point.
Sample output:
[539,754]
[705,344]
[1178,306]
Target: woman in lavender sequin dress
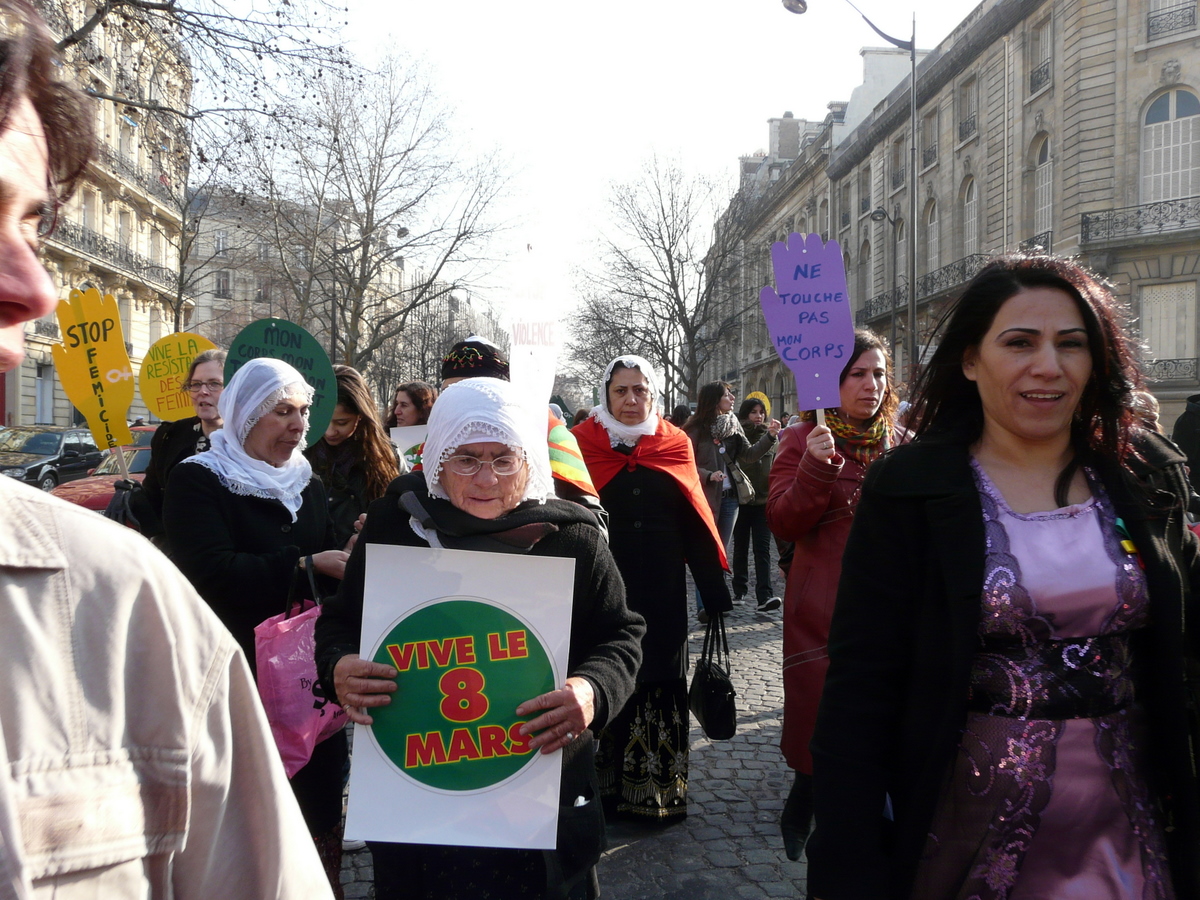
[1007,678]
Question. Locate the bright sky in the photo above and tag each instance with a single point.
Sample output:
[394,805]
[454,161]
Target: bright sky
[577,95]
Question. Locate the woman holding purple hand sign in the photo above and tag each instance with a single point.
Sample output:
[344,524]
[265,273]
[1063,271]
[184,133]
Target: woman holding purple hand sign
[815,483]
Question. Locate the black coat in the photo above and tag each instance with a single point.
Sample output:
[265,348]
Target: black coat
[172,443]
[242,553]
[903,638]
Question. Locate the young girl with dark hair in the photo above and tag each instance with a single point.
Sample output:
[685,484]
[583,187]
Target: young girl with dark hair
[354,459]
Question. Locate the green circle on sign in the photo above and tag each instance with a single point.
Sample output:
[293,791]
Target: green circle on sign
[465,666]
[287,341]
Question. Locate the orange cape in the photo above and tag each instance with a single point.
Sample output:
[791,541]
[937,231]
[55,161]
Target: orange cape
[668,450]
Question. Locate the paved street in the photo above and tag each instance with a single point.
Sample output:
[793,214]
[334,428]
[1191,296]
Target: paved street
[729,847]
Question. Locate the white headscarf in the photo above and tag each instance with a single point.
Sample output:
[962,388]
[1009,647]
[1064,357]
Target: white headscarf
[255,389]
[478,410]
[618,432]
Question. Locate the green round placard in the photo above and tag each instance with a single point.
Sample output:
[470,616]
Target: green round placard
[465,665]
[281,339]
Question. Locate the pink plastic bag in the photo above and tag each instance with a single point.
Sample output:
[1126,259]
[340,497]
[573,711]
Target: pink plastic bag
[300,715]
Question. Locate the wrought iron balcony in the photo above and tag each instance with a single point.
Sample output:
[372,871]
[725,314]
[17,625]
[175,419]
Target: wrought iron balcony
[1163,217]
[958,272]
[898,176]
[929,155]
[1183,370]
[117,162]
[1039,77]
[966,127]
[46,328]
[78,237]
[1171,21]
[882,304]
[1039,243]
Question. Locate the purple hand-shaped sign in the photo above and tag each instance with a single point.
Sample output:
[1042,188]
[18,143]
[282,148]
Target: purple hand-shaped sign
[808,315]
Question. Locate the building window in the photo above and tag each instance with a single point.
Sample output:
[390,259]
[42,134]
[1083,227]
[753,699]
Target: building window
[221,286]
[1169,17]
[1169,320]
[1039,56]
[89,209]
[864,274]
[901,250]
[43,395]
[824,220]
[864,190]
[156,247]
[897,162]
[1171,147]
[931,237]
[124,229]
[970,216]
[125,139]
[264,250]
[1043,190]
[968,109]
[262,290]
[221,243]
[929,135]
[845,204]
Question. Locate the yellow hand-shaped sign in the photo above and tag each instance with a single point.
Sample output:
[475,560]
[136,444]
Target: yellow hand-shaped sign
[93,365]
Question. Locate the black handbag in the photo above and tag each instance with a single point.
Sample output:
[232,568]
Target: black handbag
[711,695]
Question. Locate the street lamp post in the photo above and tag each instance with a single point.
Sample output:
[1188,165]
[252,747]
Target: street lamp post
[800,6]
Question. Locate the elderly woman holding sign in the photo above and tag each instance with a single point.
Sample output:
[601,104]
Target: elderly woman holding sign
[486,485]
[244,520]
[814,487]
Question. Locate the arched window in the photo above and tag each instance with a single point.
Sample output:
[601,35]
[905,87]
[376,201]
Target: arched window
[1043,189]
[1171,147]
[931,237]
[823,220]
[970,219]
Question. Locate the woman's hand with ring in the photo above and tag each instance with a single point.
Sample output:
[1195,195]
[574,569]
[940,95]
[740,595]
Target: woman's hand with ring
[361,684]
[820,444]
[566,713]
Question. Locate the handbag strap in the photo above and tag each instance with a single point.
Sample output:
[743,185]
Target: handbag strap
[711,651]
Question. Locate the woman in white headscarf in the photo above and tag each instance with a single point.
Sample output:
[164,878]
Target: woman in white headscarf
[244,521]
[646,473]
[486,485]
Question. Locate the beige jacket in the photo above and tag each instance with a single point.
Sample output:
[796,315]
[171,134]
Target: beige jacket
[135,759]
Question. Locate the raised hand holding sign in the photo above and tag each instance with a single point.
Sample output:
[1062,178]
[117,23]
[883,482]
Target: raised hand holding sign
[808,315]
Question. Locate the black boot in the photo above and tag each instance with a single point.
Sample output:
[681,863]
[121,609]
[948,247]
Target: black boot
[796,821]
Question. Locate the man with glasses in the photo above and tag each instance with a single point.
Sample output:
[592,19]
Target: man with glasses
[136,760]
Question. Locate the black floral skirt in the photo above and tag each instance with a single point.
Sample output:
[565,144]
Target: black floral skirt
[642,758]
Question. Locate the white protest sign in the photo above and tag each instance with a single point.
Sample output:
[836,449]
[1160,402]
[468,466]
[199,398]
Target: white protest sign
[533,357]
[473,635]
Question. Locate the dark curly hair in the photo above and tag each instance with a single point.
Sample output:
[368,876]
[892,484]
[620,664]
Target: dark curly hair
[945,401]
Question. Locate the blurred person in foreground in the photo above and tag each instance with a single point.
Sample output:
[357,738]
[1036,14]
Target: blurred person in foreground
[1009,660]
[660,522]
[136,760]
[486,486]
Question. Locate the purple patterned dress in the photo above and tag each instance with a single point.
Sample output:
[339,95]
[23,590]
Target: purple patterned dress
[1046,799]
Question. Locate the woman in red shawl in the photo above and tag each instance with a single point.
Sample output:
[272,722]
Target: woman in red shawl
[815,483]
[646,474]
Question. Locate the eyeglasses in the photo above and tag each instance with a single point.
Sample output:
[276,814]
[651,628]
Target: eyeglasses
[469,465]
[195,387]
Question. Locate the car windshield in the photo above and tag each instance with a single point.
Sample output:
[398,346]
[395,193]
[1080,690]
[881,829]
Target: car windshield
[136,459]
[18,440]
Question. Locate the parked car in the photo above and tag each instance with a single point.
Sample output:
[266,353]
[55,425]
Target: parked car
[95,491]
[47,455]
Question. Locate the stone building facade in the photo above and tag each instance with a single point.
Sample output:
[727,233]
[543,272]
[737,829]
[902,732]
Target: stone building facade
[118,231]
[1067,125]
